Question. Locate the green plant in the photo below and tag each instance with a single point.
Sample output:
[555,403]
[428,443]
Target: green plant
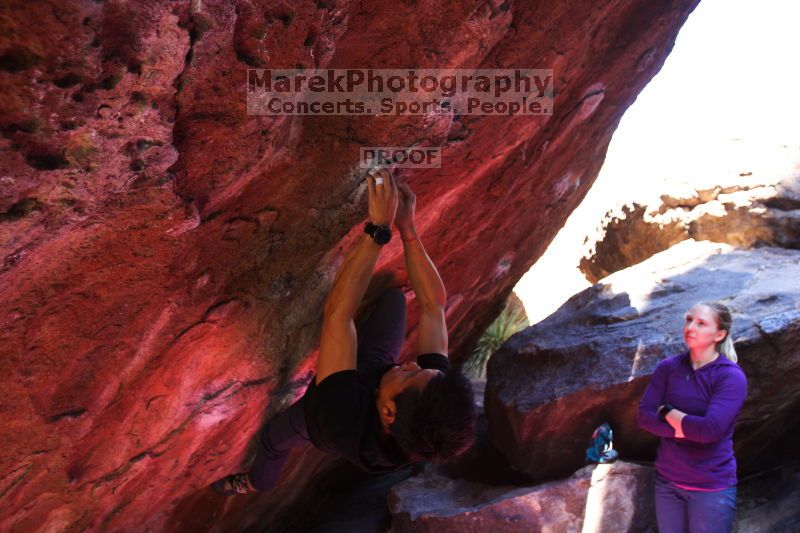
[511,320]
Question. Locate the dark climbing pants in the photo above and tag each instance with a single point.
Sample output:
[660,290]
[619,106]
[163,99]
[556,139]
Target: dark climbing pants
[380,340]
[679,510]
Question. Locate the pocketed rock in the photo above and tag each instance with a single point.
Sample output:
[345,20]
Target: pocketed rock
[760,208]
[550,385]
[615,497]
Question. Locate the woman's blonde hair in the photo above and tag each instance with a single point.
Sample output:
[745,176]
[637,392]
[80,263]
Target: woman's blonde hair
[724,321]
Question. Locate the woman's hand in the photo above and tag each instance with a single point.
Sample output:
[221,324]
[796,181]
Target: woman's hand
[382,197]
[405,209]
[675,419]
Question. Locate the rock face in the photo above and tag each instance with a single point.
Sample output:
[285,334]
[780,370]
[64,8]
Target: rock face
[164,256]
[615,497]
[764,212]
[550,385]
[602,498]
[770,501]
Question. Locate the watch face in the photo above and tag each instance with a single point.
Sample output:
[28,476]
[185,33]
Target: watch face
[383,235]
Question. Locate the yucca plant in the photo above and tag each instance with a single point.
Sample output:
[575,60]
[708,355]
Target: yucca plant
[511,320]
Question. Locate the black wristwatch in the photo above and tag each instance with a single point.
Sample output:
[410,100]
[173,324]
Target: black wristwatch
[662,413]
[380,234]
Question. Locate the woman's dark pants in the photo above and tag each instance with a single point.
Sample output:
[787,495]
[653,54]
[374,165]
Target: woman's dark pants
[679,510]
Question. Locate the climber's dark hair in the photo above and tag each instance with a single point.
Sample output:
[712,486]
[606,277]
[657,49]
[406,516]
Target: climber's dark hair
[438,423]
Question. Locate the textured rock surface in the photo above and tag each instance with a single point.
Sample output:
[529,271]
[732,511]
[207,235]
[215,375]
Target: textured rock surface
[163,256]
[616,497]
[770,501]
[761,210]
[550,385]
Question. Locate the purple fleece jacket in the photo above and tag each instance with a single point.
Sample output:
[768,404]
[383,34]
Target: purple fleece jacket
[711,397]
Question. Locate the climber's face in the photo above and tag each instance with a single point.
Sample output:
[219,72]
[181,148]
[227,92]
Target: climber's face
[397,380]
[700,330]
[401,377]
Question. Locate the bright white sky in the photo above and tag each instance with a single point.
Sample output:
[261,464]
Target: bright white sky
[734,73]
[726,99]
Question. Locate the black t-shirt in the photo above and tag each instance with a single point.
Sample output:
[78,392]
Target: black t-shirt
[341,416]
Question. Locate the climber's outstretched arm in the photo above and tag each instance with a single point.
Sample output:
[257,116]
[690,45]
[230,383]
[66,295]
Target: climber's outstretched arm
[338,342]
[337,347]
[424,277]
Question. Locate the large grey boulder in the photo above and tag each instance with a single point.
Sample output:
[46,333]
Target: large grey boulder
[599,498]
[551,384]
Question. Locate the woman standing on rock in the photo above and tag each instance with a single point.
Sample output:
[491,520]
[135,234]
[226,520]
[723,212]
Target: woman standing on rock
[692,403]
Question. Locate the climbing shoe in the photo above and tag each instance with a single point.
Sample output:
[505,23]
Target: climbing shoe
[233,484]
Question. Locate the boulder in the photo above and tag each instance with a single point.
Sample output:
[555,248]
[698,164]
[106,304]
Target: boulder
[755,210]
[601,498]
[164,255]
[770,500]
[551,384]
[596,498]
